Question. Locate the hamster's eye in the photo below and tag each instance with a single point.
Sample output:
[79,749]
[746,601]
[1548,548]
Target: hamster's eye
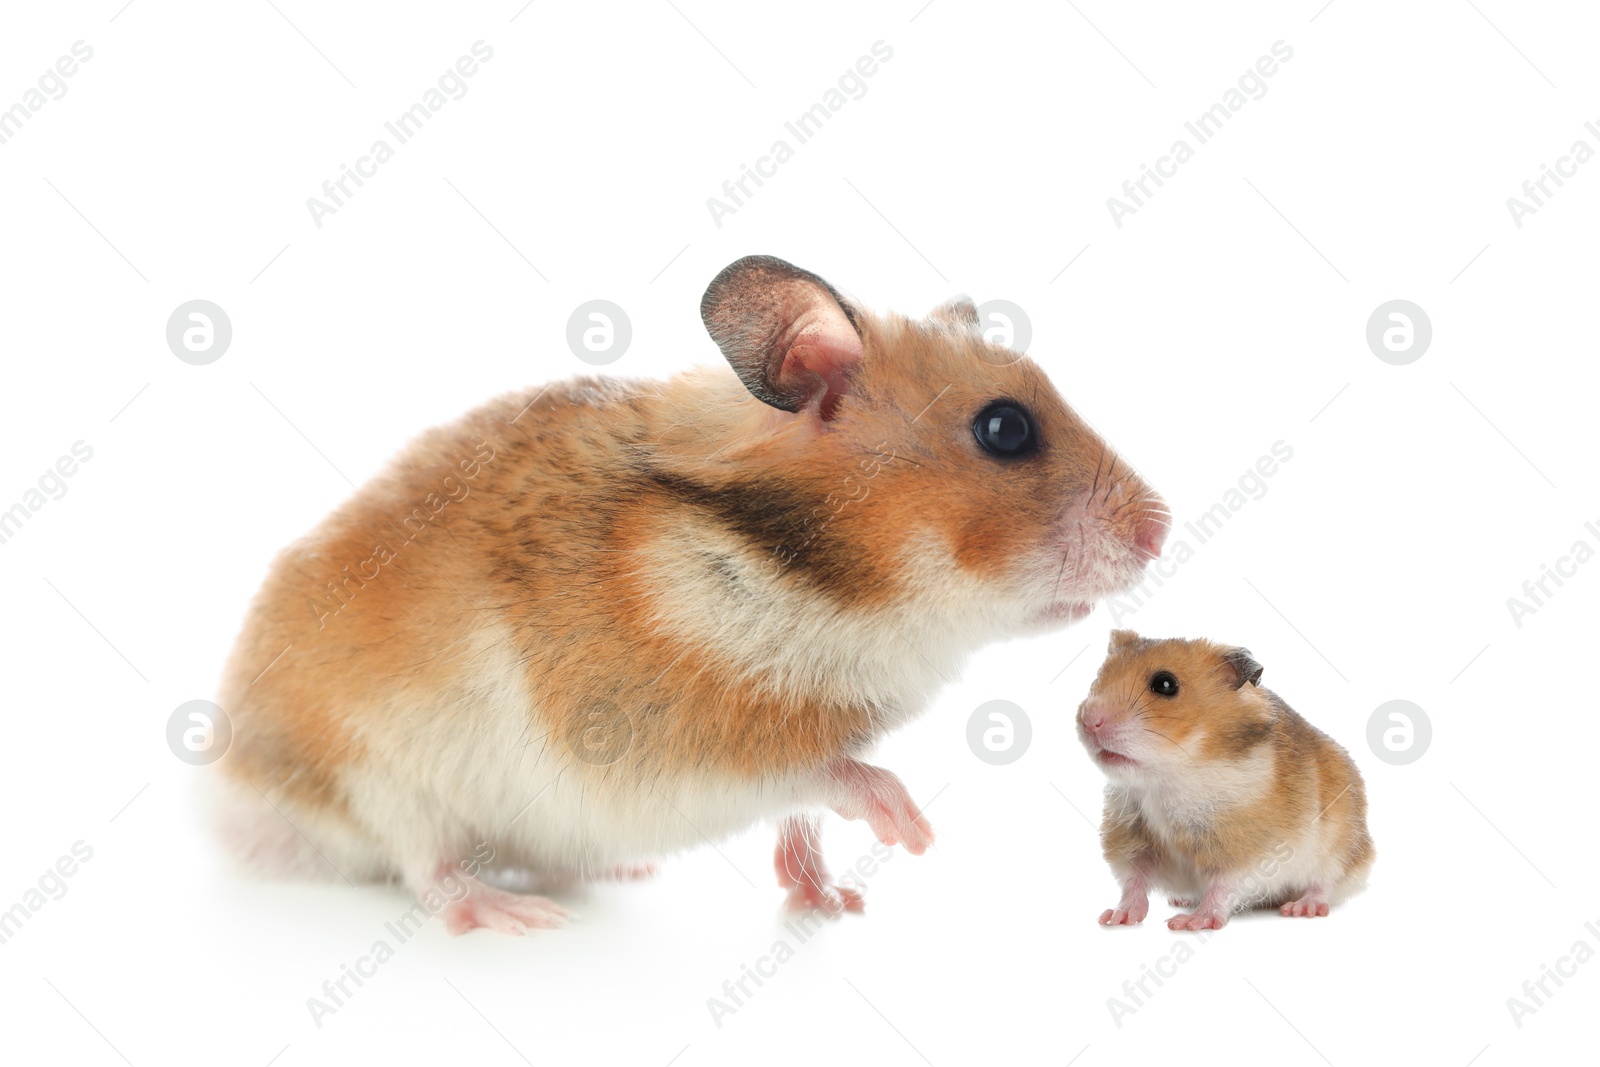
[1006,429]
[1164,684]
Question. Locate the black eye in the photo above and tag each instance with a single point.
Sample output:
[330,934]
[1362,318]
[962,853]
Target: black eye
[1164,684]
[1005,429]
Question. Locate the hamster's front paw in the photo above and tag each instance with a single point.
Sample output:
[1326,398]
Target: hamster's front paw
[1212,913]
[862,791]
[1312,904]
[801,871]
[1123,915]
[1134,905]
[1199,920]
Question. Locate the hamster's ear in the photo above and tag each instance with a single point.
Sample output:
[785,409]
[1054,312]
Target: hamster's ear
[959,311]
[1245,667]
[788,334]
[1121,639]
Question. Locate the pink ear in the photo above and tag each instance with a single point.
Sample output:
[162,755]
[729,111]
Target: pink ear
[786,333]
[817,364]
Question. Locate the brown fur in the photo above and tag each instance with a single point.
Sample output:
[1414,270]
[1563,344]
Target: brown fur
[1217,722]
[566,492]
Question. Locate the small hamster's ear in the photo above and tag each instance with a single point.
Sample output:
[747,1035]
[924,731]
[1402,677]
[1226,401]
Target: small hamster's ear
[1245,667]
[786,333]
[958,311]
[1121,639]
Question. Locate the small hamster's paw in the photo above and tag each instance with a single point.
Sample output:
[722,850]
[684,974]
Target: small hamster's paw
[1310,906]
[1212,913]
[1125,916]
[1134,905]
[489,908]
[877,796]
[1204,919]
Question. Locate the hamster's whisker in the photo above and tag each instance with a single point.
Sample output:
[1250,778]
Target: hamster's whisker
[1065,555]
[1163,736]
[1162,512]
[1142,706]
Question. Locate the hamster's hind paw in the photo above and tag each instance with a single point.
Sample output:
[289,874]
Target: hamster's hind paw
[490,908]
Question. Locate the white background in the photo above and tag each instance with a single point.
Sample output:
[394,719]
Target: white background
[1227,314]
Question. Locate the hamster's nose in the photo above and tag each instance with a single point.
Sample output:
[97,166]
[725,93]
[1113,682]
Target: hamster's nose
[1136,513]
[1094,719]
[1150,530]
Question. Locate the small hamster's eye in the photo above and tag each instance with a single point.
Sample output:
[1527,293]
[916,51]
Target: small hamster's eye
[1164,684]
[1006,429]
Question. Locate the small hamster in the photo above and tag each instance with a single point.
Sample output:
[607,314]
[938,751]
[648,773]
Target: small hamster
[1219,792]
[595,623]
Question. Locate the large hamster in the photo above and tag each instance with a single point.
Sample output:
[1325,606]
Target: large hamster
[598,622]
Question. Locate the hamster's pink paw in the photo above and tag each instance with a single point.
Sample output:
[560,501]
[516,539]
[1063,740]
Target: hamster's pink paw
[1199,920]
[897,821]
[1212,913]
[825,895]
[1310,906]
[490,908]
[1125,916]
[862,791]
[1134,905]
[798,862]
